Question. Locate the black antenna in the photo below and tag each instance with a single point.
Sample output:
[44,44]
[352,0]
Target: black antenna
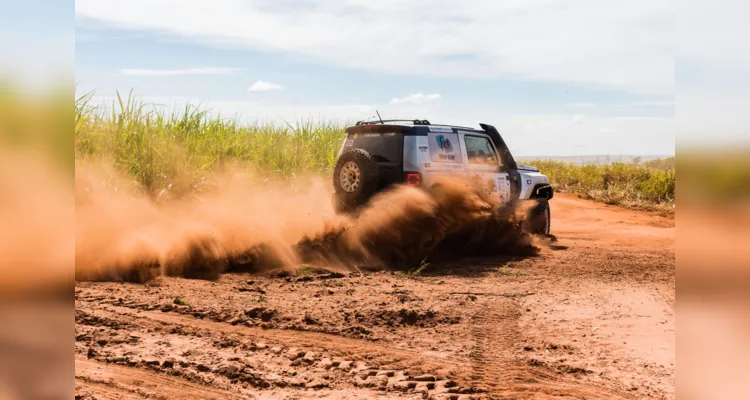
[379,117]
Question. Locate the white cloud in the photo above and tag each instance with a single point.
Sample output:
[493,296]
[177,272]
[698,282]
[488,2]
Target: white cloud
[583,105]
[626,46]
[577,119]
[416,98]
[263,86]
[650,104]
[179,72]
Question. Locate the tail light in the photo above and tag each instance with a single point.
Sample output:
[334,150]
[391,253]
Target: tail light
[413,179]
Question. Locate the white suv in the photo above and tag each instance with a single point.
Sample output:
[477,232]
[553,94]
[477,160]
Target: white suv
[378,154]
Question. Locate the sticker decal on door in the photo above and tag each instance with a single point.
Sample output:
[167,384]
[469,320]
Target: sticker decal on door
[444,147]
[444,143]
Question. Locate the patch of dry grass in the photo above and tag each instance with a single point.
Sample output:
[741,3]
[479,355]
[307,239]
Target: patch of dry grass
[629,185]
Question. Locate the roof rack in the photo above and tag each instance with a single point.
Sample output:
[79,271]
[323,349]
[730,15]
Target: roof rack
[413,121]
[456,126]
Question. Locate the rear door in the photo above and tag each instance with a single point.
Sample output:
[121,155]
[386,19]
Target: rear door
[440,153]
[482,163]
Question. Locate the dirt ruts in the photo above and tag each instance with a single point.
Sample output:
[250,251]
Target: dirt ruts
[592,317]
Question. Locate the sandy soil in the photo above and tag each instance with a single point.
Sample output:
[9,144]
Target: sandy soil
[593,317]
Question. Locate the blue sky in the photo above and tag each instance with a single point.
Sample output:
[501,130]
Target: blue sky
[558,78]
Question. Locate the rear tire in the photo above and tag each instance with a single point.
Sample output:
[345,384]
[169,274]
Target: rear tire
[539,219]
[355,180]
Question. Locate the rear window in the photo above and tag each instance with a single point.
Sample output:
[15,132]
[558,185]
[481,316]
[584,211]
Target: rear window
[384,147]
[444,147]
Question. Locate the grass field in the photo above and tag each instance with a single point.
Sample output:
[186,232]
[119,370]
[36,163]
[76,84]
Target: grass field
[160,149]
[650,186]
[156,147]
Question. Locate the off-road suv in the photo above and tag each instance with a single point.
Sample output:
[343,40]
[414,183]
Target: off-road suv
[378,154]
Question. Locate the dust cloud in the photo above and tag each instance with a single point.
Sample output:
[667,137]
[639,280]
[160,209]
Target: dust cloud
[244,224]
[124,234]
[403,227]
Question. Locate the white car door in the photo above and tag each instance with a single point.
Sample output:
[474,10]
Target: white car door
[440,153]
[482,162]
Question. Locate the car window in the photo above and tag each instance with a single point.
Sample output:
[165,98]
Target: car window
[479,150]
[384,147]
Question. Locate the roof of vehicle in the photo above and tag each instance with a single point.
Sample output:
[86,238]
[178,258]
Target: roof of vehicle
[404,126]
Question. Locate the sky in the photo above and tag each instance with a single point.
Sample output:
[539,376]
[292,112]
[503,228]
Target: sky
[577,77]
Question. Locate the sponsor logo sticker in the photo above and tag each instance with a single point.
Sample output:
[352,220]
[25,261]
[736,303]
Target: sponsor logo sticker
[444,147]
[441,129]
[424,148]
[444,143]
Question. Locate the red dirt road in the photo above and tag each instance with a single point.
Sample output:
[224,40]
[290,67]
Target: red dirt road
[592,317]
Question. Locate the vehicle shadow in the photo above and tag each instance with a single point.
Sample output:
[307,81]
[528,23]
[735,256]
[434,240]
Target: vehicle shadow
[464,264]
[470,267]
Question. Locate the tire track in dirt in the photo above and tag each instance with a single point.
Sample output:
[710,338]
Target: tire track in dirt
[107,381]
[494,368]
[492,332]
[376,352]
[368,380]
[96,380]
[606,246]
[491,365]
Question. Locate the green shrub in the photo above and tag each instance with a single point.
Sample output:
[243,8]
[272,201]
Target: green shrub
[632,185]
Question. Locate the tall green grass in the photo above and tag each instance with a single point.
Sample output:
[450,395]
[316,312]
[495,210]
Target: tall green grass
[160,149]
[632,185]
[156,147]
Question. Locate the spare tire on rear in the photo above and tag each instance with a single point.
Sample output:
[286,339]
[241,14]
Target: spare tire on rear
[355,179]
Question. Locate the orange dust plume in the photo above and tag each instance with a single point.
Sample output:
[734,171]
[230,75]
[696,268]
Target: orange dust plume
[243,224]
